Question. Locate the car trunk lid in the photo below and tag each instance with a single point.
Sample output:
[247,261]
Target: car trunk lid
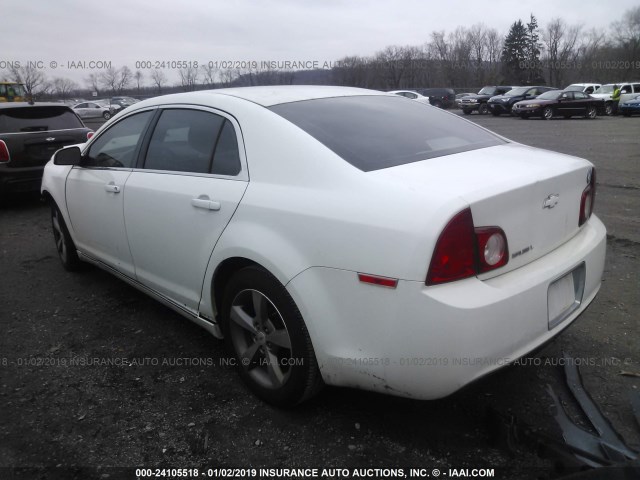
[532,194]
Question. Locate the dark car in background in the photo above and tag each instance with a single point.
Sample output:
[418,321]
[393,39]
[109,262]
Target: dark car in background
[29,135]
[504,103]
[439,97]
[478,102]
[554,103]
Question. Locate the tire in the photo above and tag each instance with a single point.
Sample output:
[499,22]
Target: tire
[591,112]
[483,109]
[547,113]
[608,109]
[106,115]
[437,103]
[466,111]
[266,334]
[64,244]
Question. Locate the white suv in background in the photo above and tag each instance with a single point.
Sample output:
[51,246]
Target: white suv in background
[627,92]
[587,88]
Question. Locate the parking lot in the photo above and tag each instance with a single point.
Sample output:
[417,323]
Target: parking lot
[95,374]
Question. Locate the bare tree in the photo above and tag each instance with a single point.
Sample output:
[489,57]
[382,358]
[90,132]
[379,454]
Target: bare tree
[109,79]
[124,77]
[560,41]
[478,43]
[31,77]
[627,36]
[159,79]
[93,82]
[351,71]
[494,51]
[227,77]
[188,78]
[208,75]
[62,87]
[138,76]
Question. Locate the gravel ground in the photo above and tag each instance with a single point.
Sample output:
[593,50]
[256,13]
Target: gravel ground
[167,399]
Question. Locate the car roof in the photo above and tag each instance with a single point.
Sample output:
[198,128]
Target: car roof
[7,105]
[268,96]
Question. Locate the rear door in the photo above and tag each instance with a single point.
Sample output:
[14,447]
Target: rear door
[181,199]
[95,192]
[582,102]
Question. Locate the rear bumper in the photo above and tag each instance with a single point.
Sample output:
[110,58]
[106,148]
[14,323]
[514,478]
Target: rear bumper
[27,179]
[427,342]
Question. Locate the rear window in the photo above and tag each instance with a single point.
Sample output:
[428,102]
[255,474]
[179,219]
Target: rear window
[37,119]
[375,132]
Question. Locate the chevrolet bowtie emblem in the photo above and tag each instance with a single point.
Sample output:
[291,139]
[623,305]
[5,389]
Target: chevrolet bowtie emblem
[551,201]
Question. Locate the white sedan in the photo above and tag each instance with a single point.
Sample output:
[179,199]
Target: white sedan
[93,110]
[335,235]
[412,95]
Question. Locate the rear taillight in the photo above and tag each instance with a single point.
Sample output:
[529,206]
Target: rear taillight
[492,248]
[464,251]
[588,199]
[4,152]
[454,257]
[90,134]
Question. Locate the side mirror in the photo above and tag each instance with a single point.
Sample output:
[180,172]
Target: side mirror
[67,156]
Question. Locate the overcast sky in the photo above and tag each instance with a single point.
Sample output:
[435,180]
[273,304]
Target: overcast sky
[124,32]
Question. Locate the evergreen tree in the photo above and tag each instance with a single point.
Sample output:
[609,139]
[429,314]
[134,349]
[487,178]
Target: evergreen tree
[533,70]
[514,53]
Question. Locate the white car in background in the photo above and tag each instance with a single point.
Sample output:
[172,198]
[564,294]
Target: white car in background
[587,88]
[95,109]
[335,235]
[412,95]
[627,91]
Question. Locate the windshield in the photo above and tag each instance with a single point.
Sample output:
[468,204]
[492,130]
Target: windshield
[375,132]
[488,91]
[12,90]
[605,89]
[552,95]
[517,91]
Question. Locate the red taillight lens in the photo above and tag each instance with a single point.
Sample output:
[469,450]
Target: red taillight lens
[4,152]
[90,134]
[492,248]
[455,252]
[463,251]
[588,199]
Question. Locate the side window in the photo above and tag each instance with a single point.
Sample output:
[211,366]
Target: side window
[82,105]
[226,160]
[567,95]
[625,89]
[636,88]
[117,146]
[183,141]
[580,95]
[588,90]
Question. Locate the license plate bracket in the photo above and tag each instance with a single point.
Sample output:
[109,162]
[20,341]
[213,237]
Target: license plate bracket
[564,295]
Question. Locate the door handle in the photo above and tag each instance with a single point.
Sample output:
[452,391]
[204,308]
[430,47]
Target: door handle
[206,203]
[112,187]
